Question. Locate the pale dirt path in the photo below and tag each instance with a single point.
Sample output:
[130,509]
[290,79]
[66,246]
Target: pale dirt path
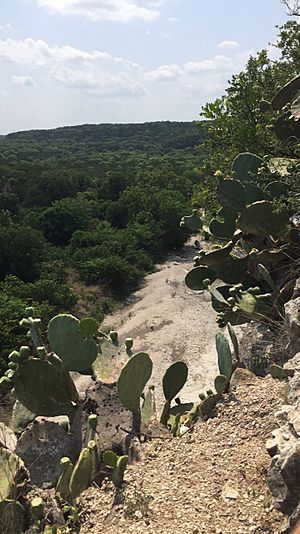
[172,323]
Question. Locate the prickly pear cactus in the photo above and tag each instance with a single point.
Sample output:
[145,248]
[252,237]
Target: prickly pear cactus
[63,483]
[148,410]
[246,165]
[72,342]
[192,222]
[110,361]
[231,194]
[118,463]
[173,381]
[224,355]
[41,388]
[261,219]
[224,226]
[133,379]
[221,383]
[82,474]
[12,517]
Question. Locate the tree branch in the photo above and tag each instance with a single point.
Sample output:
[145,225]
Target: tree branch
[292,7]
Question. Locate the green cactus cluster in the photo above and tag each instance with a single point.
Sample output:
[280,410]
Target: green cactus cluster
[40,379]
[286,107]
[254,230]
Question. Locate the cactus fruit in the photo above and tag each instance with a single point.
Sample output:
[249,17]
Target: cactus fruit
[221,383]
[37,508]
[192,222]
[41,388]
[92,426]
[34,327]
[133,379]
[224,355]
[113,336]
[63,484]
[76,352]
[231,194]
[12,515]
[129,343]
[246,165]
[173,381]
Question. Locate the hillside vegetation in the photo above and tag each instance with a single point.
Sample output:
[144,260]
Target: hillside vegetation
[102,202]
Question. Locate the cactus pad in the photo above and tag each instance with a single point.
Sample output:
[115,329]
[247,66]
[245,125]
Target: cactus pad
[192,222]
[260,219]
[41,388]
[224,355]
[195,277]
[133,379]
[76,351]
[231,194]
[246,165]
[174,379]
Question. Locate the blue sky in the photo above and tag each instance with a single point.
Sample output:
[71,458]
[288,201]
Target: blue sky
[66,62]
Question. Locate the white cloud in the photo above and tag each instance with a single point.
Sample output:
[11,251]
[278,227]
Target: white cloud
[6,27]
[26,81]
[100,83]
[96,71]
[39,53]
[172,20]
[228,45]
[113,10]
[3,93]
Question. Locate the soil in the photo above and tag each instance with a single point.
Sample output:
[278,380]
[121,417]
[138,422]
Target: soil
[210,481]
[171,322]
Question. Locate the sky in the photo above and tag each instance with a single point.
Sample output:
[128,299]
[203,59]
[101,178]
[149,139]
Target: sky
[66,62]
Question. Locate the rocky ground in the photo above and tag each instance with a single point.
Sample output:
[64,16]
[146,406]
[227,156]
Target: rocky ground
[210,481]
[172,323]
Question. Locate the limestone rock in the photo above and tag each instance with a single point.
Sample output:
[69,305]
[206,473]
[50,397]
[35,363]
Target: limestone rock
[296,292]
[292,315]
[8,439]
[281,439]
[41,447]
[283,478]
[293,364]
[241,375]
[294,389]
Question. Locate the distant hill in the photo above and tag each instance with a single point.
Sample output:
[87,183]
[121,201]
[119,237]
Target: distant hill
[151,136]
